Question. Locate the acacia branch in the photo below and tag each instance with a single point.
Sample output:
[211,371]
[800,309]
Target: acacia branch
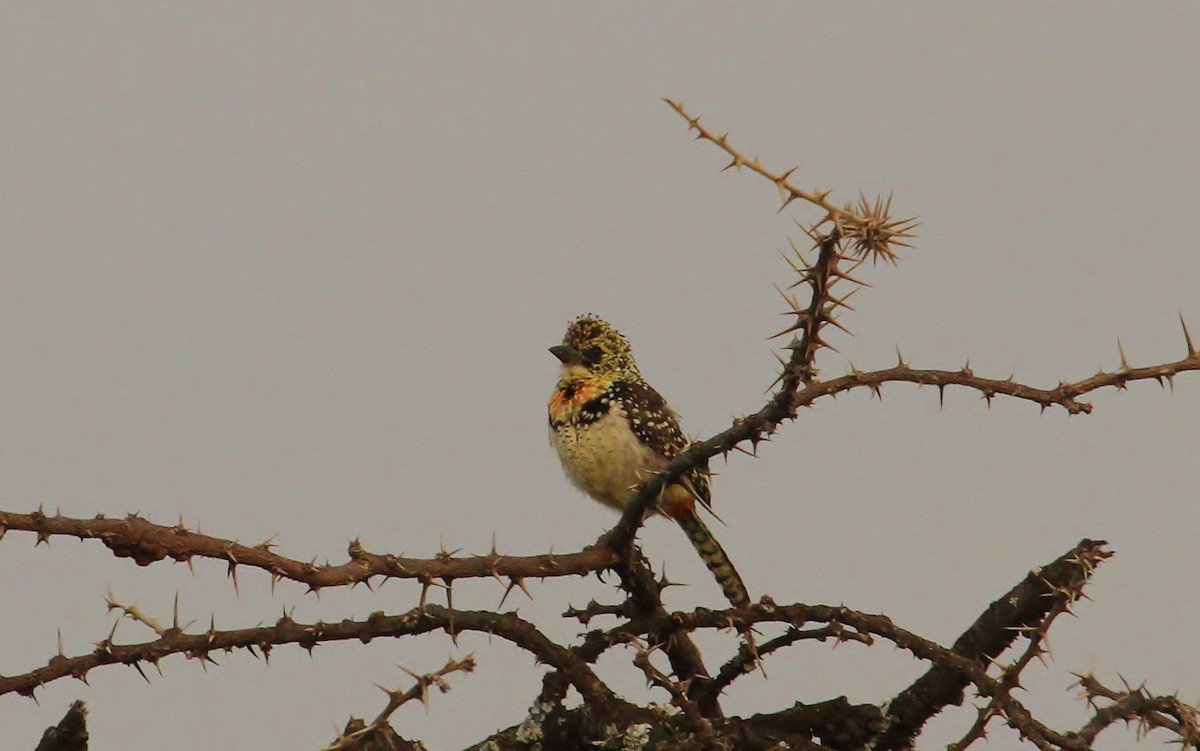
[1010,676]
[1064,395]
[360,738]
[1025,606]
[843,238]
[645,601]
[743,663]
[869,226]
[200,646]
[1140,706]
[145,542]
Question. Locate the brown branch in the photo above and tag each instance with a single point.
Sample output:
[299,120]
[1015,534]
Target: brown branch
[745,660]
[361,738]
[867,225]
[145,542]
[1010,676]
[837,722]
[1064,395]
[1139,705]
[697,720]
[70,734]
[1024,606]
[645,599]
[851,233]
[799,614]
[287,631]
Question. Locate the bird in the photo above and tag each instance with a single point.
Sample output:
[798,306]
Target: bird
[612,430]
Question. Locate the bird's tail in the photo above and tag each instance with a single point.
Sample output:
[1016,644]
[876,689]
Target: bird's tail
[714,557]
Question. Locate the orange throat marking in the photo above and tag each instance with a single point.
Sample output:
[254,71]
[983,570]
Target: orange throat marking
[568,400]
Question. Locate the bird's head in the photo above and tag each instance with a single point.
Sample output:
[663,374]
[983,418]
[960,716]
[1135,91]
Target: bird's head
[592,345]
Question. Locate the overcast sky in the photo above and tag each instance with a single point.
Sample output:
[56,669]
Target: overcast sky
[292,269]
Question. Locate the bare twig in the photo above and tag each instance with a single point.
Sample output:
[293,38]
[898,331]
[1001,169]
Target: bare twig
[358,739]
[1140,706]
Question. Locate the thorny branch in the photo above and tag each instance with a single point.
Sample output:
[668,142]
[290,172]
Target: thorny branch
[145,542]
[1026,606]
[844,236]
[858,232]
[1139,706]
[200,646]
[360,738]
[1063,578]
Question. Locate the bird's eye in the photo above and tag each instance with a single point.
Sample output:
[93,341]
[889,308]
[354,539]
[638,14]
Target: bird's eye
[593,354]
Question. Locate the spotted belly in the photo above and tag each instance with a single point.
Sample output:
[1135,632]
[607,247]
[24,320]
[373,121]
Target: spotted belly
[604,458]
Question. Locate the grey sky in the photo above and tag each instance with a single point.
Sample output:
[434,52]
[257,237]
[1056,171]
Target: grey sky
[293,268]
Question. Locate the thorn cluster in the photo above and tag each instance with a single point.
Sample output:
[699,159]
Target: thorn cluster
[867,226]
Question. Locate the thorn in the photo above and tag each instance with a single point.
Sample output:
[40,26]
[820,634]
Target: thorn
[804,264]
[941,387]
[846,275]
[900,358]
[175,614]
[840,302]
[269,543]
[1191,348]
[1124,363]
[519,581]
[812,232]
[834,322]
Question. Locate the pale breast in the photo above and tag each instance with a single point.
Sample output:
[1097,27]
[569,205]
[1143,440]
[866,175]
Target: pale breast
[604,458]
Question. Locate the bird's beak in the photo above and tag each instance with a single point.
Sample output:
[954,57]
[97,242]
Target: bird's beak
[567,354]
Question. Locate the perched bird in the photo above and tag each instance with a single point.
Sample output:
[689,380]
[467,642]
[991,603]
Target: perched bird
[612,430]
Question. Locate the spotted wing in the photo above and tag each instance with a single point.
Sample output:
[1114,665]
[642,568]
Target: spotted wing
[656,425]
